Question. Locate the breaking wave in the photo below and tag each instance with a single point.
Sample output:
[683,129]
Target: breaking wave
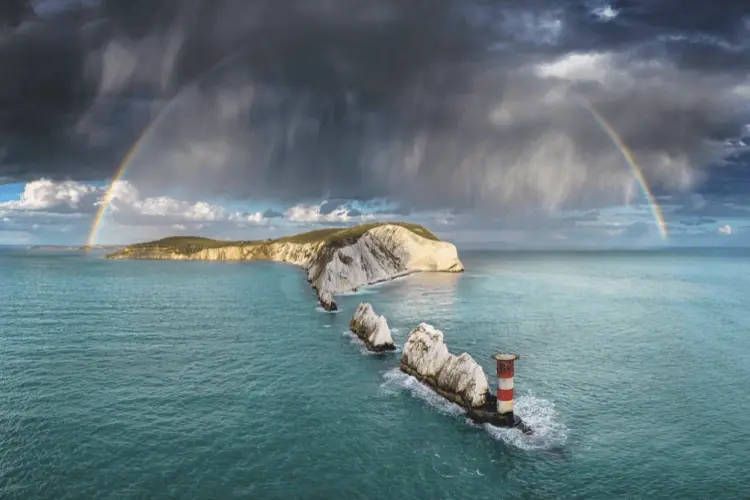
[397,381]
[549,432]
[361,291]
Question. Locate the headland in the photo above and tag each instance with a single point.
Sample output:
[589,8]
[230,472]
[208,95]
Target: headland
[336,260]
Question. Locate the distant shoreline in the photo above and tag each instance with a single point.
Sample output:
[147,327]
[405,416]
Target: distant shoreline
[76,247]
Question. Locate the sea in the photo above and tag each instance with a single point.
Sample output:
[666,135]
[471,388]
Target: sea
[217,380]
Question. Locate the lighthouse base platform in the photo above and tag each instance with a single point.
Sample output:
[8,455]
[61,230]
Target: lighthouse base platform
[488,414]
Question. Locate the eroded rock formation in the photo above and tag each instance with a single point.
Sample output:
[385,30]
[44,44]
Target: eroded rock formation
[372,329]
[457,378]
[327,302]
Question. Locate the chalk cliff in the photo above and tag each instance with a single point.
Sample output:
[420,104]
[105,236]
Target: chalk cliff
[457,378]
[372,329]
[336,260]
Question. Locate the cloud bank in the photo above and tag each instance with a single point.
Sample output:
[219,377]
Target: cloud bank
[462,104]
[70,206]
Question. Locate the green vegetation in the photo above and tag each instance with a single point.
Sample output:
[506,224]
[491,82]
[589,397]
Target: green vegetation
[333,237]
[342,236]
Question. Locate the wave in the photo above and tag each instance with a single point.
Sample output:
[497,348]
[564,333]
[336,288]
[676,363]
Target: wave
[549,431]
[361,291]
[397,381]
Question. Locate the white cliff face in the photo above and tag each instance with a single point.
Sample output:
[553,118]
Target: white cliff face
[300,254]
[382,253]
[372,329]
[458,378]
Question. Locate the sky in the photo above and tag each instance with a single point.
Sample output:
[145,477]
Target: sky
[244,119]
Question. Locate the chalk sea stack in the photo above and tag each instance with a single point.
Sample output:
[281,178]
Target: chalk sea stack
[457,378]
[337,260]
[372,329]
[327,302]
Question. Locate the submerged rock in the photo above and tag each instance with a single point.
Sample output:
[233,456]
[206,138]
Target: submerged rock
[457,378]
[326,300]
[372,329]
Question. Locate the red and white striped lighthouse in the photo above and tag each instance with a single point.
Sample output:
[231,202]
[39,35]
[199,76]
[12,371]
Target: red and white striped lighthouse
[505,382]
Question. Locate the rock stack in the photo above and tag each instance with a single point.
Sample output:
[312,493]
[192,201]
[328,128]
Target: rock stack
[457,378]
[372,329]
[327,302]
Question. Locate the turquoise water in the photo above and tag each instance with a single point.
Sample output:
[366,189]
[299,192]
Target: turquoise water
[127,379]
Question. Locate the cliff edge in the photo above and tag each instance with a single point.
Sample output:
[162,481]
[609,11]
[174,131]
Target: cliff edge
[336,260]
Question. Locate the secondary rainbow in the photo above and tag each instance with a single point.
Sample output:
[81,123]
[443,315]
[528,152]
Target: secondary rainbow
[637,172]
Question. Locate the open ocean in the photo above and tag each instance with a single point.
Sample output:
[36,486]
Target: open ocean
[138,379]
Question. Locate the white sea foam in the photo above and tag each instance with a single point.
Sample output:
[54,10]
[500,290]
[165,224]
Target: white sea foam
[397,381]
[539,414]
[353,339]
[362,291]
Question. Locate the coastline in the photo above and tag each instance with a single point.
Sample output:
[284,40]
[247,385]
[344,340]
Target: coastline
[336,261]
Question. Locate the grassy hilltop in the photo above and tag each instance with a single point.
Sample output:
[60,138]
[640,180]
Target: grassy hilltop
[333,237]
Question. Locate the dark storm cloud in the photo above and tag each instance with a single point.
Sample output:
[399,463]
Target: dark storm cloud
[468,103]
[13,12]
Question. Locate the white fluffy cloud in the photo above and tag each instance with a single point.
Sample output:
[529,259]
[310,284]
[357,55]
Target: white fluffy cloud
[315,213]
[589,66]
[56,212]
[130,208]
[605,12]
[45,199]
[47,195]
[44,203]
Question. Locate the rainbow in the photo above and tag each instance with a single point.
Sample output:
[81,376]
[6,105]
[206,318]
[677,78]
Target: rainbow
[107,198]
[606,127]
[637,171]
[122,168]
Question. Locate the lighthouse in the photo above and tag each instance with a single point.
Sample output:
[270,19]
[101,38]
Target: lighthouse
[505,368]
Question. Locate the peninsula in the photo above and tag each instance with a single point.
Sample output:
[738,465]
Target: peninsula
[337,260]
